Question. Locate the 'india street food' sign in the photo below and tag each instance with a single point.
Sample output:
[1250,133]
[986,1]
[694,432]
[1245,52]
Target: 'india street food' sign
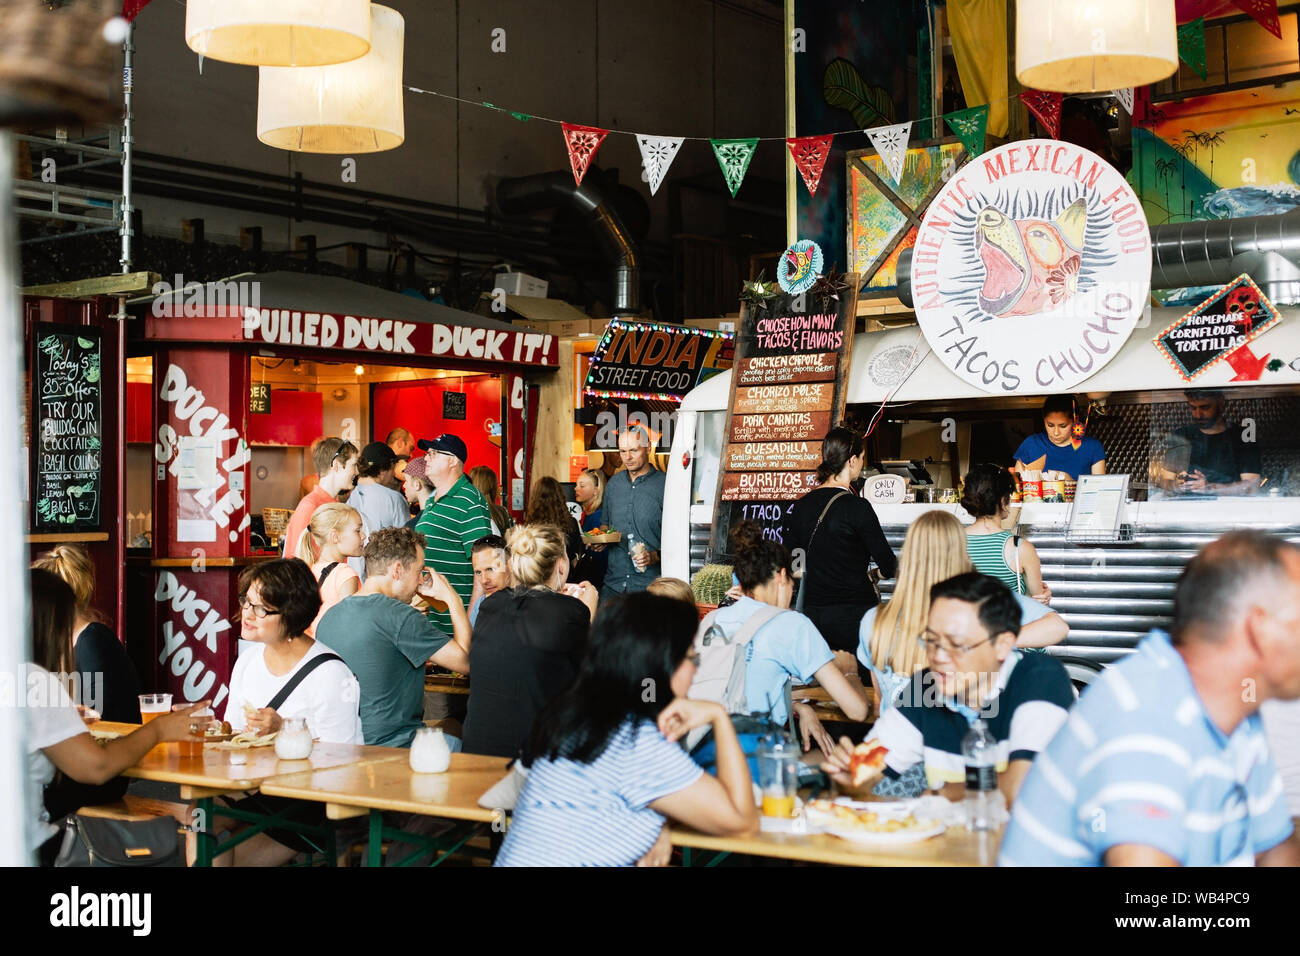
[1031,268]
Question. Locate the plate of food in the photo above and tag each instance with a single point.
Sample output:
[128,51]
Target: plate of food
[874,824]
[217,731]
[602,535]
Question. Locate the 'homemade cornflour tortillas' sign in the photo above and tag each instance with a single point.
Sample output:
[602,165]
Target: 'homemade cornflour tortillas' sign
[1031,268]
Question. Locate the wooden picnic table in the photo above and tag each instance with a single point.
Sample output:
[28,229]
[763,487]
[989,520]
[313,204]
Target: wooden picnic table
[446,684]
[955,847]
[220,771]
[392,786]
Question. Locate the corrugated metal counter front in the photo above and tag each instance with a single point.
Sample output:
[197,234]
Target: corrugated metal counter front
[1111,594]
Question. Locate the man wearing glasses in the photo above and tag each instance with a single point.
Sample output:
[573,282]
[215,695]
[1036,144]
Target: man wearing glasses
[975,672]
[335,461]
[1164,761]
[453,518]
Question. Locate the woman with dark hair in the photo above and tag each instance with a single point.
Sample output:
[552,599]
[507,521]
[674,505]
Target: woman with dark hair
[55,734]
[278,601]
[546,505]
[605,766]
[786,648]
[837,534]
[1053,448]
[485,480]
[997,553]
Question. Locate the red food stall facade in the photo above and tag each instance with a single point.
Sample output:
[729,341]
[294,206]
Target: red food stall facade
[185,595]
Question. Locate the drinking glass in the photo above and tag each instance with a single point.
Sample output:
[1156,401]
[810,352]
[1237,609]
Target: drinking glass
[154,705]
[192,746]
[778,775]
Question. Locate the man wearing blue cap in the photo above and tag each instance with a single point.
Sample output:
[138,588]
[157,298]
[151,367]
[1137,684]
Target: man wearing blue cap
[454,517]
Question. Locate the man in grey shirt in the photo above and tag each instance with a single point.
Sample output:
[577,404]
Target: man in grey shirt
[634,506]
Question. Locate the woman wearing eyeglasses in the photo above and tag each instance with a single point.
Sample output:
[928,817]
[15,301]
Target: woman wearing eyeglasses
[303,679]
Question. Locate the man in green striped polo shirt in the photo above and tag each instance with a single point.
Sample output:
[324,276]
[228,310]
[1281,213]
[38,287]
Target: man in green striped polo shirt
[454,517]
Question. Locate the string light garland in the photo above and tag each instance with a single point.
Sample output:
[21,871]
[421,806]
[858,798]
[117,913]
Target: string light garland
[620,325]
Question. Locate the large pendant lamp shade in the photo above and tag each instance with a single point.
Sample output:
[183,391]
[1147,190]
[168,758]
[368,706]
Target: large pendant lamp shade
[278,32]
[349,108]
[1081,46]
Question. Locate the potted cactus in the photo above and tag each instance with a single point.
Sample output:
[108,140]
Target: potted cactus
[710,585]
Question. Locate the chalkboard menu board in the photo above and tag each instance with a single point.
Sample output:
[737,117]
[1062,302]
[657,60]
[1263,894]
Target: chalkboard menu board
[67,429]
[788,387]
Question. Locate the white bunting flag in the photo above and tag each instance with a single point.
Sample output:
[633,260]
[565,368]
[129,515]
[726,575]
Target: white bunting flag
[657,154]
[891,143]
[1125,97]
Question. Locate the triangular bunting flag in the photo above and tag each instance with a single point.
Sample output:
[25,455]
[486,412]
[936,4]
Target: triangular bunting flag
[131,8]
[734,156]
[1125,97]
[969,126]
[891,143]
[1265,14]
[1046,108]
[657,154]
[1191,45]
[810,154]
[582,143]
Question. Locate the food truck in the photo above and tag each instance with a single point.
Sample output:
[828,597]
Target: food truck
[1110,589]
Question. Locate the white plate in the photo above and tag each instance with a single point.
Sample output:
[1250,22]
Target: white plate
[869,838]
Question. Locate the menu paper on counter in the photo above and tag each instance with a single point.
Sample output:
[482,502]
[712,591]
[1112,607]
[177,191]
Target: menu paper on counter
[788,389]
[1098,504]
[67,429]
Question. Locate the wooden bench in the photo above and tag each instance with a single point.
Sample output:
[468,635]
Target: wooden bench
[137,809]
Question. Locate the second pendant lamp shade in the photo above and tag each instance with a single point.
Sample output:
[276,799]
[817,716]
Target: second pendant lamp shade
[1081,46]
[353,107]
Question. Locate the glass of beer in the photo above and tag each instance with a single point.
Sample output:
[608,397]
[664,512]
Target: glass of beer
[426,581]
[192,746]
[154,705]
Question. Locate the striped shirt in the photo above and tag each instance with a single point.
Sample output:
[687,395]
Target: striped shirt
[988,554]
[598,813]
[1025,708]
[1141,761]
[450,525]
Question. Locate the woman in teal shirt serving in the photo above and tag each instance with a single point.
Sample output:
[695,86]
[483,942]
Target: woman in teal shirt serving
[1054,448]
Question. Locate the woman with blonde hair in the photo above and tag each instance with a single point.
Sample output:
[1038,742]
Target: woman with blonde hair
[528,641]
[332,536]
[99,654]
[589,493]
[934,550]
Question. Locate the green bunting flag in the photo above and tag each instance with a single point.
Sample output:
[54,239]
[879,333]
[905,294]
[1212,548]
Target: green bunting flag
[1191,45]
[734,156]
[969,126]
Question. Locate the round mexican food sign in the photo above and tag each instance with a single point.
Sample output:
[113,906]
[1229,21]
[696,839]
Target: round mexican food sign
[1031,267]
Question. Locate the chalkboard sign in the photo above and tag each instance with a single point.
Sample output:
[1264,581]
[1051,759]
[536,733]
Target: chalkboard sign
[788,387]
[67,429]
[259,399]
[453,406]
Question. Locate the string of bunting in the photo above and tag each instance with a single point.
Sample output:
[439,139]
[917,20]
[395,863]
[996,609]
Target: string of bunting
[811,152]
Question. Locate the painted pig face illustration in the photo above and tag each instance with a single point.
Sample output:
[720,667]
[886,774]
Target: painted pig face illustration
[1029,264]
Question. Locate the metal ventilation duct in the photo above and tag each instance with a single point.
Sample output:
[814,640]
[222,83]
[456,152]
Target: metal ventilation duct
[1208,252]
[542,191]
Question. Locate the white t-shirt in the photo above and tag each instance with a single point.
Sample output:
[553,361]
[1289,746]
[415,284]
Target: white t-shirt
[1282,728]
[328,698]
[49,718]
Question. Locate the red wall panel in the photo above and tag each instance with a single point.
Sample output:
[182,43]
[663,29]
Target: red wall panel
[417,407]
[295,419]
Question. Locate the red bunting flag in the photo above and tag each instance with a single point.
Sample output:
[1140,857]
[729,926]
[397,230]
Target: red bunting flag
[131,8]
[582,143]
[1264,13]
[1046,108]
[810,154]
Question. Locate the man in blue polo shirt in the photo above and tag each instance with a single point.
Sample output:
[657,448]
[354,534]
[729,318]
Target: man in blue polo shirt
[1164,760]
[975,672]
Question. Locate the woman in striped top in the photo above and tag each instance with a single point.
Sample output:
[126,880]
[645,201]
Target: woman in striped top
[606,769]
[1014,562]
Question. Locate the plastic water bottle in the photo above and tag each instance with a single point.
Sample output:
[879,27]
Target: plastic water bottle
[980,752]
[632,545]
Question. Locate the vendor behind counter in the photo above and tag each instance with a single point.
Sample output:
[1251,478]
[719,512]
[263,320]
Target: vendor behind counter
[1061,446]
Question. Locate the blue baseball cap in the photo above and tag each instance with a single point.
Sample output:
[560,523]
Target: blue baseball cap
[446,443]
